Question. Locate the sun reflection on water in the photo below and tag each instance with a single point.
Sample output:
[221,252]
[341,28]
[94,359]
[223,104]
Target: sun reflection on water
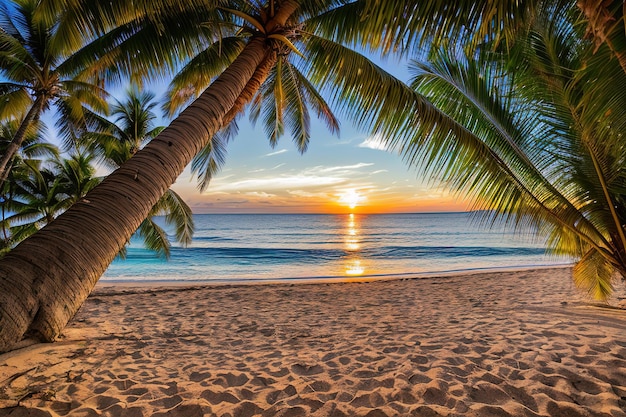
[353,263]
[354,267]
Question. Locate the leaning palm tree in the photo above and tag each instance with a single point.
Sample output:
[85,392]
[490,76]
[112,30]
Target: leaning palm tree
[545,143]
[36,74]
[115,143]
[89,235]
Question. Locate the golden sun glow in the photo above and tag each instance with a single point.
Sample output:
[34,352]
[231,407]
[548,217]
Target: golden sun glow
[351,198]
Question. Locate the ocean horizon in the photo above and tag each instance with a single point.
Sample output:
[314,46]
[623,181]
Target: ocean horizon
[294,247]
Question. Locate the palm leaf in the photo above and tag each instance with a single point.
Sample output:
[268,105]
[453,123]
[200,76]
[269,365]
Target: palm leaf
[179,215]
[196,75]
[154,237]
[212,157]
[593,273]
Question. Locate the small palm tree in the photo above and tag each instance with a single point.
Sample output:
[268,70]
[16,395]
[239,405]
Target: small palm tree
[33,151]
[39,198]
[76,175]
[43,190]
[117,142]
[36,73]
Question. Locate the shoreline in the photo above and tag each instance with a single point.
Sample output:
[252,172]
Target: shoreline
[338,279]
[514,343]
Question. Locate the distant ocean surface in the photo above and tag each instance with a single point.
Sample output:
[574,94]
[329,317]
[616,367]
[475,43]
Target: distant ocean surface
[270,247]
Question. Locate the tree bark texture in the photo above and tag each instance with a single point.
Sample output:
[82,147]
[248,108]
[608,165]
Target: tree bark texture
[45,279]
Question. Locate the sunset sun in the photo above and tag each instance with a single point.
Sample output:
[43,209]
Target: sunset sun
[350,198]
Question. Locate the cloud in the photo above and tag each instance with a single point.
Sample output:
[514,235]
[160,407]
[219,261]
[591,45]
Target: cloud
[276,153]
[376,142]
[342,168]
[277,183]
[260,194]
[307,194]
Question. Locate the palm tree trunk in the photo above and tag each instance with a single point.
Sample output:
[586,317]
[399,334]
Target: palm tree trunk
[260,75]
[7,159]
[45,279]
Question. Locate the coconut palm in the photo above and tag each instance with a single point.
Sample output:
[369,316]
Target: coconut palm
[546,142]
[35,74]
[39,198]
[76,175]
[117,142]
[42,190]
[33,150]
[89,235]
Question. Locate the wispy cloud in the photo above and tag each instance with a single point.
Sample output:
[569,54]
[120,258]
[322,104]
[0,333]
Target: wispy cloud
[277,183]
[376,142]
[343,168]
[260,194]
[276,153]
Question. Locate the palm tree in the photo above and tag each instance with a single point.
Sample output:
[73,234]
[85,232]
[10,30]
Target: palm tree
[76,175]
[117,142]
[545,142]
[89,235]
[39,198]
[32,151]
[43,190]
[36,75]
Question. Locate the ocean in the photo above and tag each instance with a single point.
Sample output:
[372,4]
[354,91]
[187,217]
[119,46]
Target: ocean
[295,247]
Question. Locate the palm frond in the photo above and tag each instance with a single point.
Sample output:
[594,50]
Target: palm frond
[197,74]
[594,274]
[212,157]
[179,215]
[14,103]
[154,237]
[404,26]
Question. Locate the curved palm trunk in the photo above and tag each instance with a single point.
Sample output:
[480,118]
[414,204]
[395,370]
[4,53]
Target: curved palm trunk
[45,279]
[260,75]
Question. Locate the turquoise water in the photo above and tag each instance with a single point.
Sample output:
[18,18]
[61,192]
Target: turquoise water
[243,247]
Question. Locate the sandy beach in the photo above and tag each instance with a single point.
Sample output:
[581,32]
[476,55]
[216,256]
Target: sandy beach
[521,343]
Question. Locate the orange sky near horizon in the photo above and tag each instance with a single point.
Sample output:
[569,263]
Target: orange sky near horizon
[335,176]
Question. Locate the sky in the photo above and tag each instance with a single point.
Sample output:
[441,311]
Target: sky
[351,173]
